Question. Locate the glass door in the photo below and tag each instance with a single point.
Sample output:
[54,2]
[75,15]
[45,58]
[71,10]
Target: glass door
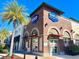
[53,46]
[35,44]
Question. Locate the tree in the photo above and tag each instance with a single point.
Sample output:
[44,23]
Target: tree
[16,14]
[4,34]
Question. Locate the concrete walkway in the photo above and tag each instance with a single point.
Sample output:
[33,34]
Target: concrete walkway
[50,57]
[1,55]
[68,57]
[41,57]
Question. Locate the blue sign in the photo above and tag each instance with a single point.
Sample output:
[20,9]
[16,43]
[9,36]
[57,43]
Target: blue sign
[52,17]
[35,19]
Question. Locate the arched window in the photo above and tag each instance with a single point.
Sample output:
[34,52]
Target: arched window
[53,41]
[66,37]
[34,32]
[53,38]
[53,31]
[35,40]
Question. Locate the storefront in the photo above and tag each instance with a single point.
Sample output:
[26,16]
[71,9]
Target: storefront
[53,38]
[48,31]
[76,39]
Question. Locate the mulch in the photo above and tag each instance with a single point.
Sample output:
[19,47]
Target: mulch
[8,57]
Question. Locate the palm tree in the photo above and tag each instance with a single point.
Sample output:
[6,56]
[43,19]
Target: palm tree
[16,14]
[4,34]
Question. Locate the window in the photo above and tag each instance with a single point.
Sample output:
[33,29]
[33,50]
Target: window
[34,40]
[53,39]
[66,41]
[34,32]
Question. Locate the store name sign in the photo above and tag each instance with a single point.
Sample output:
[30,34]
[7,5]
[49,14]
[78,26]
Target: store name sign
[52,17]
[35,19]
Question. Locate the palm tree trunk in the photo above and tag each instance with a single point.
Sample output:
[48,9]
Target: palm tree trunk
[12,43]
[12,40]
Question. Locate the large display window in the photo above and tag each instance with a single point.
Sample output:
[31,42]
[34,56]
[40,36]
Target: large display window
[35,41]
[66,38]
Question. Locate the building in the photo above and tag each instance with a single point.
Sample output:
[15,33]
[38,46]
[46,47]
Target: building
[48,30]
[75,29]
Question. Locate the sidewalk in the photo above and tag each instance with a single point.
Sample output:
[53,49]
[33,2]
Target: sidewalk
[39,57]
[21,56]
[1,55]
[50,57]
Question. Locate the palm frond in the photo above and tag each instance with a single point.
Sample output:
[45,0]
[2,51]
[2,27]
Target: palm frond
[14,12]
[4,33]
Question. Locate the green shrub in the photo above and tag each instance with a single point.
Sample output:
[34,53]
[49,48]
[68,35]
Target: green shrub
[74,48]
[3,49]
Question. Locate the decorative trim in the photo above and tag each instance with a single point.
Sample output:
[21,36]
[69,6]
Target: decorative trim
[54,28]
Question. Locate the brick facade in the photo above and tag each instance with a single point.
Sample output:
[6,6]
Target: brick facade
[44,25]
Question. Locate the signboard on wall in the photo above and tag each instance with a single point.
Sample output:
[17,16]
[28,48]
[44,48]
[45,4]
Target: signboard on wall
[52,17]
[35,19]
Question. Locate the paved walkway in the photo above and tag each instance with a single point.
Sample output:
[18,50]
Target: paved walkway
[20,56]
[68,57]
[39,57]
[1,55]
[51,57]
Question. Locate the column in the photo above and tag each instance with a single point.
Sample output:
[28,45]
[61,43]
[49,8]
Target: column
[45,46]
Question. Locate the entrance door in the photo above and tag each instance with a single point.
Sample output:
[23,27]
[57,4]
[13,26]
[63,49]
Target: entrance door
[53,46]
[35,44]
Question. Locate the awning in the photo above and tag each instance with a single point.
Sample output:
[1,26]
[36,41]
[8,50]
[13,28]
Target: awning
[58,35]
[34,36]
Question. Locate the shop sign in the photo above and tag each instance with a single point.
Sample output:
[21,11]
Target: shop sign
[35,19]
[52,17]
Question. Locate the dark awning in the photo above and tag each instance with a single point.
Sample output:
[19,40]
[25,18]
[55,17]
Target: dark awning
[58,35]
[34,36]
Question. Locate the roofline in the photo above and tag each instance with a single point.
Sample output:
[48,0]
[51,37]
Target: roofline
[73,19]
[59,12]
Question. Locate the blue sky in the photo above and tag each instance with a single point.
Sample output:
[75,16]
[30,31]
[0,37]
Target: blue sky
[70,7]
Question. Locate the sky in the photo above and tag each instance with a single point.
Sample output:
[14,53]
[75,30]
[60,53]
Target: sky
[69,7]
